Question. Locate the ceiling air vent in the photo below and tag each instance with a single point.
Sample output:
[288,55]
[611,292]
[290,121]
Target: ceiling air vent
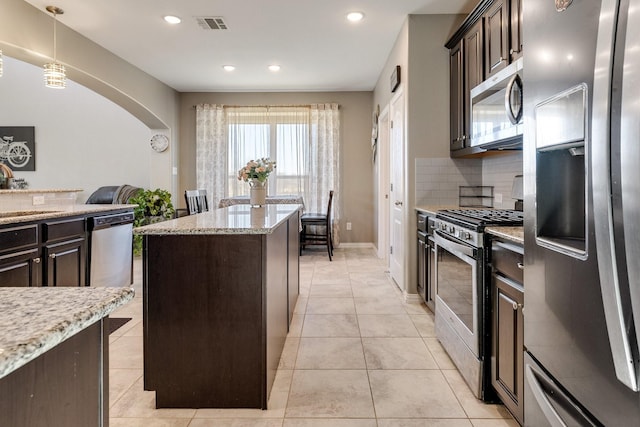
[212,22]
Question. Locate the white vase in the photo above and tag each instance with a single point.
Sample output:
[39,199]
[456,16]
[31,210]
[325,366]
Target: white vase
[258,193]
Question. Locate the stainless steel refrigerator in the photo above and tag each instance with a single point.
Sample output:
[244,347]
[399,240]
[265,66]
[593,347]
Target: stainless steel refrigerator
[582,212]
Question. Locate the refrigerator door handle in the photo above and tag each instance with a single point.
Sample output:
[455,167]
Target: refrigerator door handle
[600,157]
[541,387]
[629,156]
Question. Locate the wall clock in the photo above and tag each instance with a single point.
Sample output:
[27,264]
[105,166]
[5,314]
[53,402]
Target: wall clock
[159,142]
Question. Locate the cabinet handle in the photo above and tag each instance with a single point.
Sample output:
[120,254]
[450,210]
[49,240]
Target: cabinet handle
[36,260]
[513,51]
[517,306]
[52,256]
[520,266]
[501,60]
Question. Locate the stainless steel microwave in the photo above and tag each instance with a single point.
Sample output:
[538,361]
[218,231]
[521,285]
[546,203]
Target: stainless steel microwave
[496,110]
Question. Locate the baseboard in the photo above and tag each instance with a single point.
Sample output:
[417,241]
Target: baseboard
[355,245]
[412,298]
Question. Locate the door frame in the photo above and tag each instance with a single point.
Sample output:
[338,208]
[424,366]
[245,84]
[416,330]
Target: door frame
[383,165]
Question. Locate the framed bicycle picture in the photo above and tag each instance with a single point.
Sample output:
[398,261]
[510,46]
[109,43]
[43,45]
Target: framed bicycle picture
[18,147]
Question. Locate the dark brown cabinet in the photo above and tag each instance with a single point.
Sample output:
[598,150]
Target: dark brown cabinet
[20,262]
[64,252]
[507,369]
[456,96]
[515,29]
[496,32]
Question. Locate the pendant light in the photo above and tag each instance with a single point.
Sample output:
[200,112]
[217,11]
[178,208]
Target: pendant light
[54,72]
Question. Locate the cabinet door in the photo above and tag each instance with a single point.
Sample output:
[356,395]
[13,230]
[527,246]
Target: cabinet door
[508,352]
[496,37]
[422,277]
[456,96]
[515,29]
[21,269]
[65,263]
[473,70]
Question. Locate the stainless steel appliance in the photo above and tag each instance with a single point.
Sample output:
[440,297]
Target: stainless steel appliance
[462,290]
[111,250]
[497,109]
[582,209]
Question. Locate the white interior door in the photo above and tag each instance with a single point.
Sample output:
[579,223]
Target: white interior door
[383,185]
[396,199]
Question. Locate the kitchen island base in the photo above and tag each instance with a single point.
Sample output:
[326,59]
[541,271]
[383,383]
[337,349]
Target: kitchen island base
[216,315]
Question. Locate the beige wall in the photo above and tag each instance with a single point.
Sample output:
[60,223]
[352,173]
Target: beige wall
[420,51]
[26,34]
[355,156]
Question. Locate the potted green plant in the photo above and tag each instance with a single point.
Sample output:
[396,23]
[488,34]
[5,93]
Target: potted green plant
[153,206]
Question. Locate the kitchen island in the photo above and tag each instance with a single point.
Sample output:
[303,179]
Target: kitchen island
[219,290]
[54,352]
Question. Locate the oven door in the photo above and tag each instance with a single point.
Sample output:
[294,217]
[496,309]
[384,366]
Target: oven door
[457,286]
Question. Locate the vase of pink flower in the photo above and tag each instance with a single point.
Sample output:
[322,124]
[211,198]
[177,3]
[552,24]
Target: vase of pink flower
[256,173]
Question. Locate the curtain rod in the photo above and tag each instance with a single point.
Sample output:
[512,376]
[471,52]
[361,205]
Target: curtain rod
[274,105]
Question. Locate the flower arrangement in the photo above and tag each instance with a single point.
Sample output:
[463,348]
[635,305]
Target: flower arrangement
[256,169]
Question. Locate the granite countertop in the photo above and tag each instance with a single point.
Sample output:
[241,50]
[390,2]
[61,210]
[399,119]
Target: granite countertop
[513,234]
[238,219]
[34,320]
[46,212]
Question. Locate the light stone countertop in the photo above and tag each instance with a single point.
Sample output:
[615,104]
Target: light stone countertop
[513,234]
[46,212]
[34,320]
[238,219]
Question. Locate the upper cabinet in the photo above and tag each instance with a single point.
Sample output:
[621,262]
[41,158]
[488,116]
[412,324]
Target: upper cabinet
[486,42]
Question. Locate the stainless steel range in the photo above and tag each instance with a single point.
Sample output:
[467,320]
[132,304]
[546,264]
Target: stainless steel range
[462,290]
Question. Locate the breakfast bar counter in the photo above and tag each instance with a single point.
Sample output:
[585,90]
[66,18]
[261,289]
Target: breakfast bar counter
[54,355]
[219,290]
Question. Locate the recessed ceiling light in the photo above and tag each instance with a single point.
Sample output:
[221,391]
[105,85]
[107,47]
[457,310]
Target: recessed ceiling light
[172,19]
[274,68]
[355,16]
[228,67]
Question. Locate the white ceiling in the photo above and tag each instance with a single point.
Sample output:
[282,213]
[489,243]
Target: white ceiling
[317,48]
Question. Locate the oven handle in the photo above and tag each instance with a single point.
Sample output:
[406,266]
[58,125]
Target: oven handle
[460,250]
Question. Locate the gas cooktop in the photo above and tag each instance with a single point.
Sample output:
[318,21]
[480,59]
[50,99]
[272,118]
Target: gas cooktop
[479,218]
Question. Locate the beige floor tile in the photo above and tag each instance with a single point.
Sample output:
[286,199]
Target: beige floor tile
[330,305]
[330,325]
[320,279]
[126,353]
[293,422]
[424,422]
[148,422]
[379,305]
[326,394]
[386,325]
[370,278]
[301,305]
[138,403]
[494,423]
[342,291]
[472,406]
[135,330]
[439,353]
[413,394]
[289,353]
[360,290]
[120,380]
[295,327]
[234,422]
[330,353]
[413,308]
[425,325]
[126,327]
[397,353]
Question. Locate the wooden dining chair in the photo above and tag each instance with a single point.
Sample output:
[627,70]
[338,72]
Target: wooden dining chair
[321,224]
[196,201]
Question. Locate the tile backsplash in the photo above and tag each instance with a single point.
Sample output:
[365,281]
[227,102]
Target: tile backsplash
[438,179]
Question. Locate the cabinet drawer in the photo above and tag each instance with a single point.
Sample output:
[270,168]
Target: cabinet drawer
[16,238]
[52,231]
[508,258]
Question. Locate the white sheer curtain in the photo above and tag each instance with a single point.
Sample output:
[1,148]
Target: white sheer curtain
[304,141]
[211,151]
[324,162]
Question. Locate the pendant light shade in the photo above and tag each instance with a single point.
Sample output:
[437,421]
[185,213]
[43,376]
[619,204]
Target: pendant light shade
[54,73]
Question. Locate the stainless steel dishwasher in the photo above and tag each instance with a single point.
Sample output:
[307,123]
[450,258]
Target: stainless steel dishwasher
[111,250]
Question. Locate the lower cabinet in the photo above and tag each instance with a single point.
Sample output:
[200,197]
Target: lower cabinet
[66,262]
[21,269]
[507,369]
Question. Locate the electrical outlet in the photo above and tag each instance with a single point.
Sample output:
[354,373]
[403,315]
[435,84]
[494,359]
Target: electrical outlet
[348,226]
[38,200]
[498,198]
